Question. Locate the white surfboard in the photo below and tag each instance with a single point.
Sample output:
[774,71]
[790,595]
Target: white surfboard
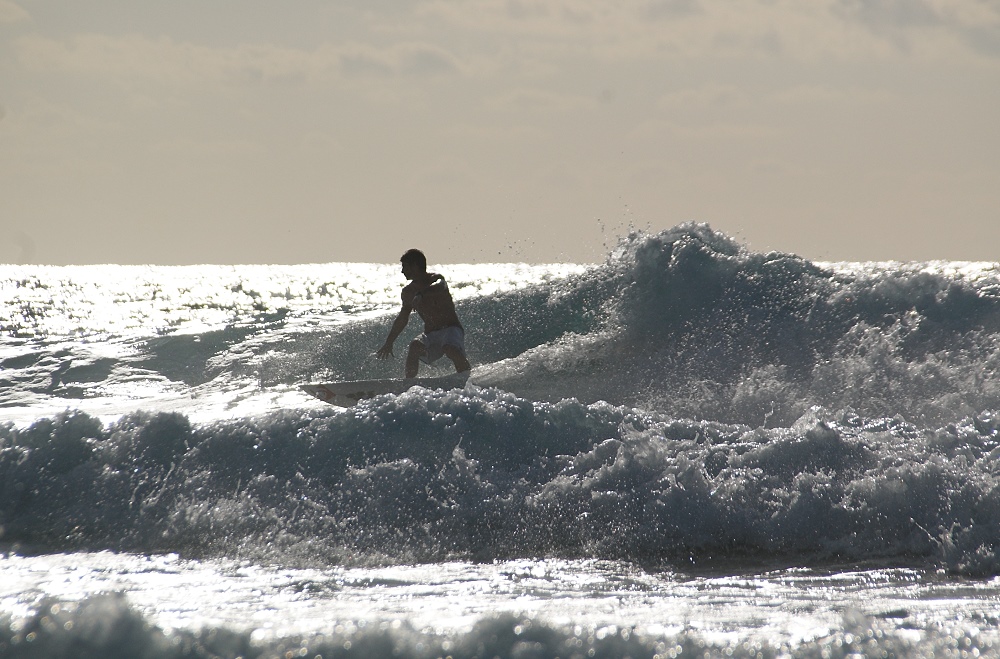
[346,394]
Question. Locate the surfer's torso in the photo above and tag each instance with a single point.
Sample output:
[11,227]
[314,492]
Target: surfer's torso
[430,298]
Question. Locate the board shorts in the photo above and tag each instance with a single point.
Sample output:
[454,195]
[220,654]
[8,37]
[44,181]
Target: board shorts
[434,342]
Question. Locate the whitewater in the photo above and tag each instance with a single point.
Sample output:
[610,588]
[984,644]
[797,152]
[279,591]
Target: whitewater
[690,449]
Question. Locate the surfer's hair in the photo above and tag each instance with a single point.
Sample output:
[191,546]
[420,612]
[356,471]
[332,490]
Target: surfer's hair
[416,257]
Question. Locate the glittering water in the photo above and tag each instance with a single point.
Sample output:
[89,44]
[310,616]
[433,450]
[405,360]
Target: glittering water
[795,604]
[689,448]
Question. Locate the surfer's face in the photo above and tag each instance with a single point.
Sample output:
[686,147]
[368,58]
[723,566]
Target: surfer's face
[409,269]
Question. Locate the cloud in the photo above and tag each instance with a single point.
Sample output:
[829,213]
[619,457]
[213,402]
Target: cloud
[641,29]
[394,7]
[880,14]
[801,96]
[672,9]
[11,12]
[974,23]
[700,98]
[403,60]
[547,31]
[962,14]
[984,39]
[534,101]
[425,60]
[362,61]
[533,39]
[164,60]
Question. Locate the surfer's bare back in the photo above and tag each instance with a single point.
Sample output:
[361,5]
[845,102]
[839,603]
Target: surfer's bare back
[428,294]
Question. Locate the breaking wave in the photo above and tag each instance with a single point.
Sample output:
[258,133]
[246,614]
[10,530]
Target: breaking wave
[687,402]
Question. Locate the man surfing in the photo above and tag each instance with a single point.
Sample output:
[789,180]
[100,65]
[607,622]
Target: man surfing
[428,294]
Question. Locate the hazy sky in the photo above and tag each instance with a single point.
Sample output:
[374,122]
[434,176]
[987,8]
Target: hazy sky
[239,131]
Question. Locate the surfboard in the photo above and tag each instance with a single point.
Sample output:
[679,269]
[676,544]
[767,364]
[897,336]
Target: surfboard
[346,394]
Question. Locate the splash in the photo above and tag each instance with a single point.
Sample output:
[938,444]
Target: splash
[687,402]
[484,475]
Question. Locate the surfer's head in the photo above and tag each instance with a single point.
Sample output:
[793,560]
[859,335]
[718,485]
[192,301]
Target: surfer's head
[414,261]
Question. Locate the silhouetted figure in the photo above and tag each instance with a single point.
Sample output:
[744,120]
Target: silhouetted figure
[428,294]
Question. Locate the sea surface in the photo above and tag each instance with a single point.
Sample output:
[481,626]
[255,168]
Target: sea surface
[691,449]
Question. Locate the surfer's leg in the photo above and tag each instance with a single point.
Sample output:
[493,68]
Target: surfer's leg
[457,356]
[417,350]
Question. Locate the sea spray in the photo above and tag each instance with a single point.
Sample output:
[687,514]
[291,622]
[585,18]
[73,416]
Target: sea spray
[430,476]
[720,445]
[689,323]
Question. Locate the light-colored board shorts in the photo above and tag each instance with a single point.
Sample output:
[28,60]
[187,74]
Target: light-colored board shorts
[434,342]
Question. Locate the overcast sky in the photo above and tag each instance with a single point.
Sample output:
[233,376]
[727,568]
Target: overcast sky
[253,131]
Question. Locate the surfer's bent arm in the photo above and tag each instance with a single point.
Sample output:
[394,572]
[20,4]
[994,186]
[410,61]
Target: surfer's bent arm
[398,326]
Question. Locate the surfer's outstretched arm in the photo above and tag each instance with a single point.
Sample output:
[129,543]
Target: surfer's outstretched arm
[398,326]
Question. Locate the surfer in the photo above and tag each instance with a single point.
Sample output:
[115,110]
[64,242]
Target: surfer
[428,294]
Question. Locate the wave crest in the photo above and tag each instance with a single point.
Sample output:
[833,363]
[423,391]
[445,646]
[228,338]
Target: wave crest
[429,476]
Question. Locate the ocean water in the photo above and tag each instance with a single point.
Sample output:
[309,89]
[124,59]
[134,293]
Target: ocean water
[691,449]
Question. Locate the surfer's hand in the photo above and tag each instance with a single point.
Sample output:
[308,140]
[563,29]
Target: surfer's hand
[385,352]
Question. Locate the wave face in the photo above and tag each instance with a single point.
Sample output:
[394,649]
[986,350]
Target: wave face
[689,323]
[430,476]
[689,402]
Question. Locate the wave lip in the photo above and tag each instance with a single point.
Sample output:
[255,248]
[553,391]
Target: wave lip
[689,323]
